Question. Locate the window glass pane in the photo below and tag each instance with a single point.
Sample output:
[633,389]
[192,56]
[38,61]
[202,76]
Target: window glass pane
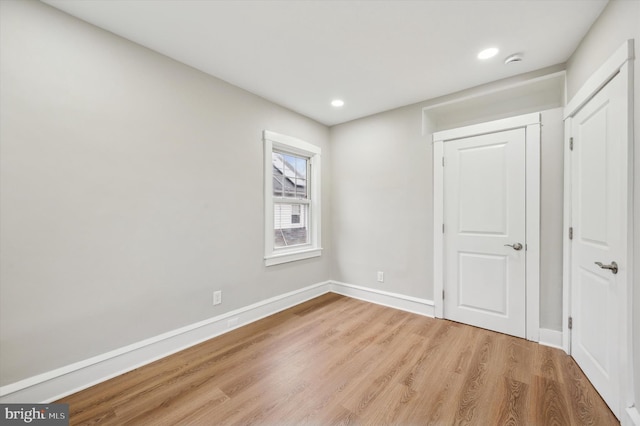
[277,159]
[289,166]
[278,178]
[277,185]
[301,167]
[290,224]
[301,188]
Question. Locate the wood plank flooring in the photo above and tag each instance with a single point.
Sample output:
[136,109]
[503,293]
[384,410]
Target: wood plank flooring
[337,360]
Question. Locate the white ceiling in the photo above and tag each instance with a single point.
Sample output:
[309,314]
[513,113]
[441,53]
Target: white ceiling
[375,55]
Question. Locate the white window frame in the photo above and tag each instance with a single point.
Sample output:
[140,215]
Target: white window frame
[283,143]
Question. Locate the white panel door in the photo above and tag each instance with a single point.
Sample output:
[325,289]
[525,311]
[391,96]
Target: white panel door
[598,222]
[484,212]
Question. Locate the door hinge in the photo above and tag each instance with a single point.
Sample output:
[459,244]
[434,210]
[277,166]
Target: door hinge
[571,232]
[570,323]
[443,228]
[442,161]
[571,144]
[442,294]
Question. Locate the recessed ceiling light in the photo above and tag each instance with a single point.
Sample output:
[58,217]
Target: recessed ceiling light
[337,103]
[488,53]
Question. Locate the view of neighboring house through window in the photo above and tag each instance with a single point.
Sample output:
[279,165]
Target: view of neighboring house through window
[292,199]
[295,213]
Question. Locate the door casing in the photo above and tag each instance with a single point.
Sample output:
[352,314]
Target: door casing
[531,124]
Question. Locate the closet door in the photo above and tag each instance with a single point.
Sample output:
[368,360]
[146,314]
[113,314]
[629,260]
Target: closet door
[484,238]
[598,250]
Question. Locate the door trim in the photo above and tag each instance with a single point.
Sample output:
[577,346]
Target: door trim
[531,124]
[620,62]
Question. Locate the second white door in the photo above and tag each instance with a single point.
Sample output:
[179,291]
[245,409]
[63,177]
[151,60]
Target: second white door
[599,222]
[484,241]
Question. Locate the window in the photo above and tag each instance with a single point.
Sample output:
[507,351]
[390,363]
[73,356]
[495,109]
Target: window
[295,214]
[292,199]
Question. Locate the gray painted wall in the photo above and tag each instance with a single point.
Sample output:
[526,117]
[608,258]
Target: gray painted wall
[382,203]
[131,189]
[551,213]
[384,166]
[619,22]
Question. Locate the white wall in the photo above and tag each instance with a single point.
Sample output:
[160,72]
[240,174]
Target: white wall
[551,214]
[382,204]
[115,193]
[619,22]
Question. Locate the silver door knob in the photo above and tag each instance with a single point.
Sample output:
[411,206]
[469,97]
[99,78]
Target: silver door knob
[613,267]
[516,246]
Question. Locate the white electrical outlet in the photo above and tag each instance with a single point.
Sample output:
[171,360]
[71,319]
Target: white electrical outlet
[217,297]
[380,276]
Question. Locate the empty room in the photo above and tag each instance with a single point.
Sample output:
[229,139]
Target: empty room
[283,212]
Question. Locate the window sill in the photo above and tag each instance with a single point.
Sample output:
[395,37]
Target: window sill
[279,258]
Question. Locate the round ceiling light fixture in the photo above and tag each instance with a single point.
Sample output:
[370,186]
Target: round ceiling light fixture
[337,103]
[488,53]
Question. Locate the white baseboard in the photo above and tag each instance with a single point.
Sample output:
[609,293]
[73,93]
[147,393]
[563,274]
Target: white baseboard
[551,338]
[55,384]
[58,383]
[393,300]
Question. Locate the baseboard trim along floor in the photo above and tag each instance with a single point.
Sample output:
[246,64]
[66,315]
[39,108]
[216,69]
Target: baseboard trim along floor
[55,384]
[336,360]
[392,300]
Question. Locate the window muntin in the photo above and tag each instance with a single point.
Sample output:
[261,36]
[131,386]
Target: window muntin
[290,175]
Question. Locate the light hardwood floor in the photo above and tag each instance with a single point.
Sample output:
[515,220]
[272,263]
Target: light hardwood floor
[337,360]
